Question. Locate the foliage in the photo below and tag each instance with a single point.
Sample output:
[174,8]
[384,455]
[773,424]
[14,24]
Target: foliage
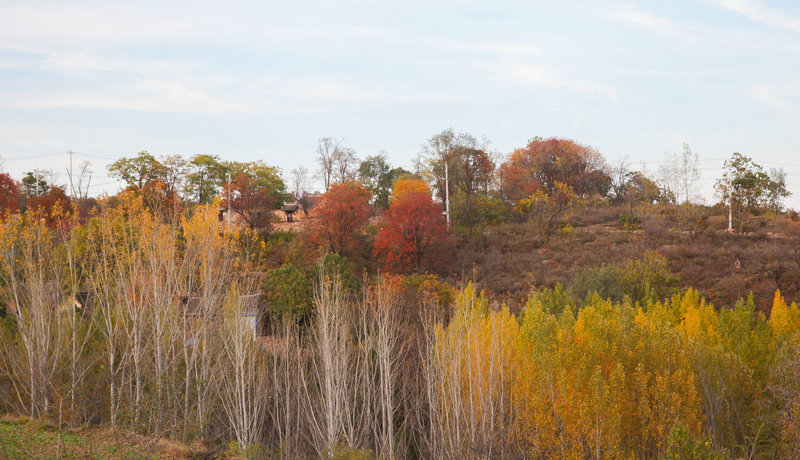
[683,446]
[745,186]
[545,163]
[413,233]
[288,292]
[605,280]
[34,184]
[378,176]
[442,156]
[630,221]
[336,266]
[50,206]
[206,178]
[342,214]
[649,278]
[546,211]
[404,187]
[430,286]
[9,194]
[139,170]
[554,301]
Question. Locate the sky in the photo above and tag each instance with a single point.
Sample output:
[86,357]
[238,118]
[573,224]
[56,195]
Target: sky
[264,80]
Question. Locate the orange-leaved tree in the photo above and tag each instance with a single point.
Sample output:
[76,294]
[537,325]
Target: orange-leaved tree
[413,233]
[546,162]
[342,215]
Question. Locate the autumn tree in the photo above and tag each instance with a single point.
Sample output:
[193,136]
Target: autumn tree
[545,162]
[547,211]
[256,189]
[342,214]
[413,234]
[9,194]
[50,205]
[407,186]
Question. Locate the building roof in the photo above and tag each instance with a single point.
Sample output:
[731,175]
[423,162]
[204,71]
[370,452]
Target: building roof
[290,207]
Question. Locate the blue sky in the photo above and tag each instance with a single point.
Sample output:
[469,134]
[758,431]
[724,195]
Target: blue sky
[265,80]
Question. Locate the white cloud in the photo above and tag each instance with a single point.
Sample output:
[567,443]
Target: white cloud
[766,95]
[781,97]
[760,13]
[656,24]
[545,76]
[216,94]
[509,49]
[63,24]
[84,63]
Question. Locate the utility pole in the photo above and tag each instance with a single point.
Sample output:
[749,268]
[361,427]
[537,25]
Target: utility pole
[447,191]
[71,184]
[229,201]
[730,206]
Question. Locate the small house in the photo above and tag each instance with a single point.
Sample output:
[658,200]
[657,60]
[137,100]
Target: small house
[289,209]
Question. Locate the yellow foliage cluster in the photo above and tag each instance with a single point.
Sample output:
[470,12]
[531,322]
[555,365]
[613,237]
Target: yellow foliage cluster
[614,380]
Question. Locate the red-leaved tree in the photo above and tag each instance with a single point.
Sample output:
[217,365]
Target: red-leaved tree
[54,207]
[342,215]
[9,194]
[413,234]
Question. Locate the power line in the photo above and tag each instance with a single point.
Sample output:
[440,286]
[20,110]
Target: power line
[95,156]
[104,183]
[30,157]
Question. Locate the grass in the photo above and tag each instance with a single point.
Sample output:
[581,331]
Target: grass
[23,438]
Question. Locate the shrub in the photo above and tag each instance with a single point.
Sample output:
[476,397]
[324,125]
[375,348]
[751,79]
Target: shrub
[630,221]
[606,280]
[288,291]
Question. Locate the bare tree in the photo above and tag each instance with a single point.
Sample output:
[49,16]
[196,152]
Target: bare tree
[327,152]
[331,363]
[83,179]
[688,173]
[389,352]
[102,285]
[678,175]
[242,381]
[210,268]
[621,176]
[287,402]
[81,328]
[176,168]
[345,166]
[30,280]
[299,178]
